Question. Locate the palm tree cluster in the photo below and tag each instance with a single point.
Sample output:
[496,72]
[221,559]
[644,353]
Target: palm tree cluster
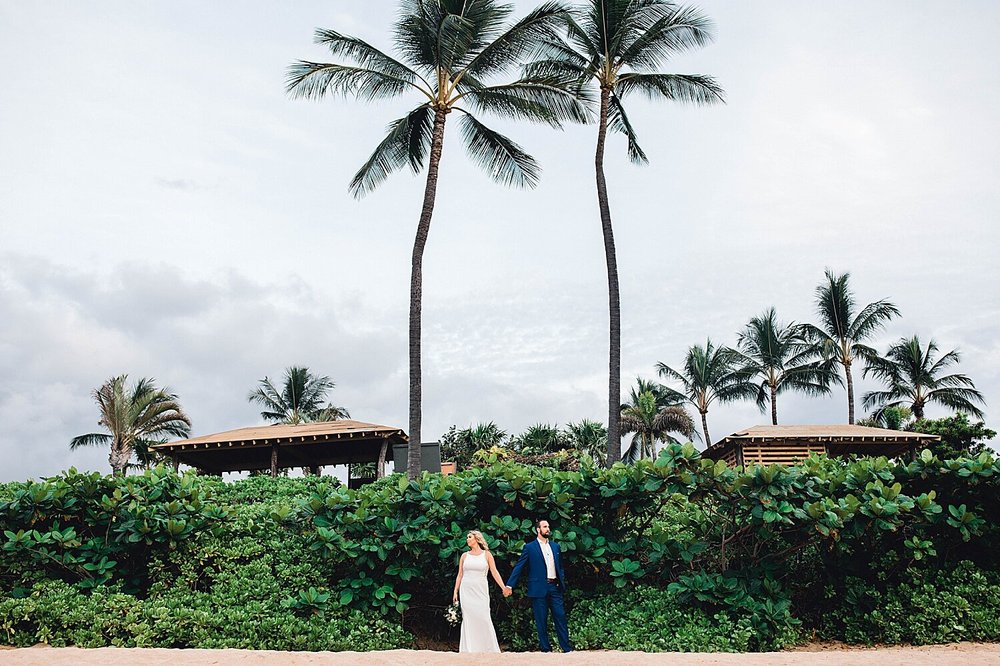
[137,416]
[772,357]
[558,64]
[586,437]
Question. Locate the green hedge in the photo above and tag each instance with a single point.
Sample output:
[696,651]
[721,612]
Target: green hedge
[928,606]
[59,614]
[683,553]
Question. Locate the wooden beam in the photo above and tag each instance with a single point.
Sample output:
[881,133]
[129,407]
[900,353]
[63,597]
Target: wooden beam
[274,460]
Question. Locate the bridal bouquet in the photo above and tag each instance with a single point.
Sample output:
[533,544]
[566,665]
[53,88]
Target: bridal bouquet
[453,615]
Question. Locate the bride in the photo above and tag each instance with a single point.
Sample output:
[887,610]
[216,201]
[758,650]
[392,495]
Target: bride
[472,589]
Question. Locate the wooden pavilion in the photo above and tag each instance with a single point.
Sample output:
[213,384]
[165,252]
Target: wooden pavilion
[281,446]
[785,444]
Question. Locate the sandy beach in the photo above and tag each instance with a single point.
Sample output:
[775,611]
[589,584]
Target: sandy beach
[820,654]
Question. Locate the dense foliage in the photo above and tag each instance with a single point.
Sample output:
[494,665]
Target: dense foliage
[681,553]
[959,436]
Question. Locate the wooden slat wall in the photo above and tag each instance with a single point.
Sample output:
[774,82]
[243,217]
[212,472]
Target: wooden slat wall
[779,453]
[731,457]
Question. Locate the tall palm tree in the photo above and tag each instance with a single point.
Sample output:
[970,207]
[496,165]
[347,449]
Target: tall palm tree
[135,416]
[652,414]
[842,330]
[913,374]
[710,374]
[299,399]
[780,358]
[618,46]
[449,49]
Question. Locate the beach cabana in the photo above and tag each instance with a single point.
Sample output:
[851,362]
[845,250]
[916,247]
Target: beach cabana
[786,444]
[280,446]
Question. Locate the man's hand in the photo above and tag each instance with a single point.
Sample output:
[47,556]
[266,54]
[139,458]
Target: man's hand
[507,591]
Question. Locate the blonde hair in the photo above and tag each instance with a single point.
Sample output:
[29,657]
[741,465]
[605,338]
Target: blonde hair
[480,539]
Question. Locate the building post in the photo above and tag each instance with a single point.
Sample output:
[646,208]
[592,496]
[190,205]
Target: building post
[274,460]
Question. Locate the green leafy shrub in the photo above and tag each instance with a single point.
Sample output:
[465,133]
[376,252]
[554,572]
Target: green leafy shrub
[653,620]
[59,614]
[762,549]
[929,606]
[93,530]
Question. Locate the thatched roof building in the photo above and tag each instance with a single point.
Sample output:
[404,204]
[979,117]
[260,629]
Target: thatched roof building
[283,446]
[785,444]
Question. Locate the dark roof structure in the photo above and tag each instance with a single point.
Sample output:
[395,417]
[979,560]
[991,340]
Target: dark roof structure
[784,443]
[280,446]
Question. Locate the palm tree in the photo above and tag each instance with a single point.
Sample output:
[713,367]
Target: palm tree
[483,436]
[540,438]
[618,47]
[652,414]
[841,330]
[589,438]
[136,417]
[449,49]
[913,374]
[710,374]
[781,358]
[892,418]
[299,399]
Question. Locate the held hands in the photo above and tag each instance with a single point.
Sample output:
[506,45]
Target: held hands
[507,591]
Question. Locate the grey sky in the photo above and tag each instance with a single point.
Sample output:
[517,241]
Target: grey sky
[166,210]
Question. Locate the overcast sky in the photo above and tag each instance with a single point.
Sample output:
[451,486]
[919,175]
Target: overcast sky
[167,211]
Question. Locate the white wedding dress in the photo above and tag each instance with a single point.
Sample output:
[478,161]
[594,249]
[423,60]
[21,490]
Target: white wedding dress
[478,634]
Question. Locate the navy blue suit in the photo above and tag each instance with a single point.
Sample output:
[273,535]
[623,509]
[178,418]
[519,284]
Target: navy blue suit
[544,595]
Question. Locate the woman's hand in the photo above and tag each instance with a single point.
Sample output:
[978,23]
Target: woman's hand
[454,598]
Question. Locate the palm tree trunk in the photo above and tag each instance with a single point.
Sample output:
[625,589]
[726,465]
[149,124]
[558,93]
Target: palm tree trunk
[119,457]
[416,289]
[614,300]
[774,405]
[704,427]
[850,392]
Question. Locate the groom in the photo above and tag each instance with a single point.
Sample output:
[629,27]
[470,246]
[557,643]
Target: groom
[546,585]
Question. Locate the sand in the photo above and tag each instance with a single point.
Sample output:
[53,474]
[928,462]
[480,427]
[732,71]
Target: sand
[821,654]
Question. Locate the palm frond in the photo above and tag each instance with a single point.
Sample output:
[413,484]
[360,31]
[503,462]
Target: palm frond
[872,319]
[92,439]
[618,121]
[688,88]
[313,80]
[521,40]
[583,39]
[407,142]
[416,33]
[835,304]
[330,413]
[365,55]
[500,157]
[535,100]
[959,399]
[681,29]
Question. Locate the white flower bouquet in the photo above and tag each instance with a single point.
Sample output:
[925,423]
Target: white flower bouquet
[453,615]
